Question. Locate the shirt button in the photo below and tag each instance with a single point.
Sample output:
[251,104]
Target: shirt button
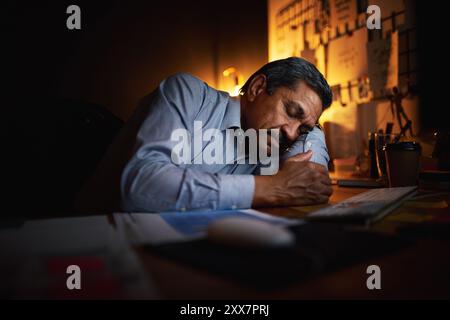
[233,207]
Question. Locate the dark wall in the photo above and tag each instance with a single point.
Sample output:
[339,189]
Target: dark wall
[242,40]
[125,48]
[56,81]
[433,53]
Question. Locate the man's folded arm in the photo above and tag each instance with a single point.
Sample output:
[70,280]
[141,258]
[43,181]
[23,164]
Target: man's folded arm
[153,186]
[152,182]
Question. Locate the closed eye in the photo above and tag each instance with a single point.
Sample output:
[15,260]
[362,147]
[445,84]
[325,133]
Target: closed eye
[294,110]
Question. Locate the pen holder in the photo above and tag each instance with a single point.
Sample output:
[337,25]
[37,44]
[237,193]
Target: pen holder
[381,140]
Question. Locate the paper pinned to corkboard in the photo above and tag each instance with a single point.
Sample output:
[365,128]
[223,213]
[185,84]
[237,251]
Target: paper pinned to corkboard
[383,64]
[347,58]
[342,11]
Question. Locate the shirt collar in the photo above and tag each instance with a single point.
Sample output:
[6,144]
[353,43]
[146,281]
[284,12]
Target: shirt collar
[232,116]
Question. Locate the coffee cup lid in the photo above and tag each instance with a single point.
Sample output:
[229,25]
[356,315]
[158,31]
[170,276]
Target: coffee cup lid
[404,145]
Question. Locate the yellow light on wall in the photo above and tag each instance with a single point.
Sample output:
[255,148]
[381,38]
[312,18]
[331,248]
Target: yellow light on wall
[233,81]
[229,71]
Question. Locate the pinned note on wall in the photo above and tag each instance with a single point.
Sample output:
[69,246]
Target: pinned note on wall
[342,12]
[347,58]
[383,64]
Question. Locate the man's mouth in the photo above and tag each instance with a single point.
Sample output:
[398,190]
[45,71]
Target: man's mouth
[283,143]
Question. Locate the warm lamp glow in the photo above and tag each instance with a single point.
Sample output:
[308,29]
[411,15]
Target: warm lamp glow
[229,71]
[233,81]
[327,116]
[235,91]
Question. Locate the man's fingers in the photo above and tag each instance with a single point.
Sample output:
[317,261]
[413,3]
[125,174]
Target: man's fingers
[322,199]
[328,191]
[301,157]
[326,181]
[322,187]
[319,167]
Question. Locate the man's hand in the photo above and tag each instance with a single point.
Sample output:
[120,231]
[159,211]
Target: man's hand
[298,182]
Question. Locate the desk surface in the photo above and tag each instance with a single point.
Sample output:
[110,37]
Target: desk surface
[418,271]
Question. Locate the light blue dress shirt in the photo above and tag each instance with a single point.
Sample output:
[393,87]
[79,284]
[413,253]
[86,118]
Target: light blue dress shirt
[151,182]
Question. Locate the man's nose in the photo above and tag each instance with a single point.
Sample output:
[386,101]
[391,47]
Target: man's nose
[290,131]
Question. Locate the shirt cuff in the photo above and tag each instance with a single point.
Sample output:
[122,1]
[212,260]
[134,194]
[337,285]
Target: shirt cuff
[236,191]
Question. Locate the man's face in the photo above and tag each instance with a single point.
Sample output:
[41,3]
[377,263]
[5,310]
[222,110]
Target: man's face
[291,111]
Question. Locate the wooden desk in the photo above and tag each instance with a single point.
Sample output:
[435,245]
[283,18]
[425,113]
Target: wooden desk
[419,271]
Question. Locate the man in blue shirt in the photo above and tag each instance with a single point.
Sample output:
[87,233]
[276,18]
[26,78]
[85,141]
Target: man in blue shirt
[139,174]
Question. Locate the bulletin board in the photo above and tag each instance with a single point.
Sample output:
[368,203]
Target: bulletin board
[362,66]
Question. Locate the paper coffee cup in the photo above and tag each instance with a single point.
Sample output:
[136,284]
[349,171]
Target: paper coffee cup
[402,160]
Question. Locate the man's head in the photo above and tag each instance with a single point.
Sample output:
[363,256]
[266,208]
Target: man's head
[288,94]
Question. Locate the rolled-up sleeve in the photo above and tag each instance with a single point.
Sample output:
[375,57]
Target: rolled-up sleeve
[315,141]
[151,182]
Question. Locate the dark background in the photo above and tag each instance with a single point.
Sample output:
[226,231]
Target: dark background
[67,92]
[433,41]
[125,48]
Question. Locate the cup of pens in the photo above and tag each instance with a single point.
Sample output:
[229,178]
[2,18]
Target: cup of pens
[381,140]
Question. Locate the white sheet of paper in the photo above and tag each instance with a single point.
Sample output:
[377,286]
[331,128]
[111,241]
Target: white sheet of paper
[383,64]
[160,228]
[342,11]
[347,58]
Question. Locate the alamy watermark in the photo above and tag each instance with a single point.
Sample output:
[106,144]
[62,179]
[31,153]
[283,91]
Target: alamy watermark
[74,279]
[374,18]
[374,280]
[227,147]
[73,22]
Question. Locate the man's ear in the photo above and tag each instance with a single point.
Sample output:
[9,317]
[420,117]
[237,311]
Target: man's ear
[256,87]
